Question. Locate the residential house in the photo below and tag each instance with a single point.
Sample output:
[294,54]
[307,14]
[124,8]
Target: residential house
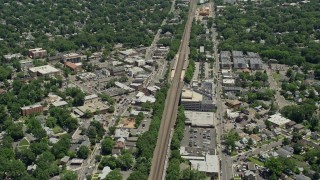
[75,67]
[256,63]
[239,63]
[298,127]
[27,110]
[117,70]
[284,153]
[119,146]
[225,60]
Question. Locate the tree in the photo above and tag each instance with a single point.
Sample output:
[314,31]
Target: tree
[297,147]
[106,146]
[274,165]
[126,161]
[69,175]
[286,141]
[189,174]
[15,131]
[83,152]
[26,156]
[61,148]
[114,175]
[250,142]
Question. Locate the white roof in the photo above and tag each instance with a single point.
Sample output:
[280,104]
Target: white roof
[105,171]
[121,133]
[128,52]
[210,165]
[92,96]
[139,94]
[278,119]
[59,103]
[200,118]
[31,106]
[144,99]
[46,69]
[228,81]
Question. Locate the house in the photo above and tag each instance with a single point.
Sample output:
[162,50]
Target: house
[105,171]
[117,70]
[251,167]
[64,160]
[75,67]
[298,127]
[127,53]
[239,63]
[37,53]
[119,146]
[288,148]
[290,124]
[255,63]
[233,103]
[284,153]
[31,168]
[255,137]
[236,54]
[45,70]
[121,133]
[73,57]
[76,162]
[302,177]
[27,110]
[249,175]
[225,60]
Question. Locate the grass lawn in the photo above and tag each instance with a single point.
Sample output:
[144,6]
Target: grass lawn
[23,147]
[57,129]
[256,161]
[236,178]
[24,142]
[276,77]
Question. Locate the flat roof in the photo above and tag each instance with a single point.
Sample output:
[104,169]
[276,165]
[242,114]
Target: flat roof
[210,165]
[46,69]
[189,95]
[278,119]
[228,81]
[31,106]
[59,103]
[203,119]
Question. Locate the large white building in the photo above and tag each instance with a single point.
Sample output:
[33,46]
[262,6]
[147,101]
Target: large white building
[45,70]
[278,120]
[195,101]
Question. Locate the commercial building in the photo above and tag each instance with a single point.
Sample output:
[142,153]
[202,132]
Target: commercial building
[195,101]
[278,121]
[26,64]
[121,133]
[73,57]
[27,110]
[199,119]
[210,165]
[45,70]
[37,53]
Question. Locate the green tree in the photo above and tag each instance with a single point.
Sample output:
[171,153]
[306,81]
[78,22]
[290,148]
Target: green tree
[106,146]
[114,175]
[83,152]
[69,175]
[275,165]
[126,160]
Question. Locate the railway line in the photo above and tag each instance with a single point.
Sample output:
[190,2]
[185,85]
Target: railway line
[172,100]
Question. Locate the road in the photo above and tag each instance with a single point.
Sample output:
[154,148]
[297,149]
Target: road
[282,102]
[171,106]
[226,162]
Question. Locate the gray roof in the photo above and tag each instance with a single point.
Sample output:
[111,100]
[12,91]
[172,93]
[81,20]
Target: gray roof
[283,153]
[237,54]
[255,61]
[253,55]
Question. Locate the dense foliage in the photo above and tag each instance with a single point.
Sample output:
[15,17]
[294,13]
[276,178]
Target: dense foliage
[275,30]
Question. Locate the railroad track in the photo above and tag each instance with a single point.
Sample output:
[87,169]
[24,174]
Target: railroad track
[171,106]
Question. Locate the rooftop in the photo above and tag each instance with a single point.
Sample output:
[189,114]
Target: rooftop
[278,119]
[189,95]
[31,106]
[200,118]
[46,69]
[210,165]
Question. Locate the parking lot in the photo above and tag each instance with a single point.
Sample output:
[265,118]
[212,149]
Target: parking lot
[199,141]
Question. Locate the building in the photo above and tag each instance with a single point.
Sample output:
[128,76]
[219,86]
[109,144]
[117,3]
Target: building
[75,67]
[239,63]
[253,55]
[26,64]
[278,121]
[210,165]
[199,119]
[121,133]
[140,62]
[205,11]
[105,171]
[236,54]
[228,82]
[9,57]
[256,63]
[27,110]
[45,70]
[93,104]
[117,70]
[37,53]
[60,104]
[73,57]
[127,53]
[195,101]
[225,60]
[76,162]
